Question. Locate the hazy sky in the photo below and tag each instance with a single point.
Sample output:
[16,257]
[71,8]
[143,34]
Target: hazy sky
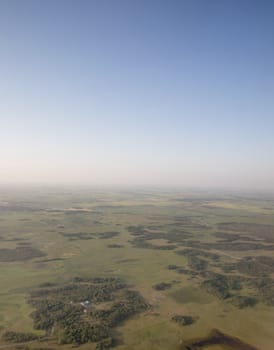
[137,92]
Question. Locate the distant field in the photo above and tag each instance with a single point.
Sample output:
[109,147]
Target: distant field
[160,270]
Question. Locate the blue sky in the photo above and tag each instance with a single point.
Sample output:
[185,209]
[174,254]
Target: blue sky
[116,92]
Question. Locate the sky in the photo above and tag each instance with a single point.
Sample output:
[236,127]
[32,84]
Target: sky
[137,92]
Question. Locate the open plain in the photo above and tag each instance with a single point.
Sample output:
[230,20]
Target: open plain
[139,269]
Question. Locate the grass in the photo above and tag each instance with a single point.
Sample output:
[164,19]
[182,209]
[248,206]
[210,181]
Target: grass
[33,216]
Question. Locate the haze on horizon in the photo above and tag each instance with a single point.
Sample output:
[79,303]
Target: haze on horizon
[171,93]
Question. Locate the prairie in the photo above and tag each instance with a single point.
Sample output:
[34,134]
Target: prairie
[211,255]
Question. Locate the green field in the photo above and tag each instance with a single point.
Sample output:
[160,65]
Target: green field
[205,255]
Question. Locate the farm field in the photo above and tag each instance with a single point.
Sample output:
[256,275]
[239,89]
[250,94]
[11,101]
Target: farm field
[137,269]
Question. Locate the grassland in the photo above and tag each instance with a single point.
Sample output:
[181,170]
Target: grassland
[202,256]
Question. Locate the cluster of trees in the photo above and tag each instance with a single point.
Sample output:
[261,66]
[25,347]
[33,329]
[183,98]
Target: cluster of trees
[81,332]
[130,303]
[19,337]
[49,312]
[223,285]
[20,253]
[80,289]
[173,267]
[136,230]
[142,242]
[59,308]
[87,235]
[182,270]
[193,258]
[266,232]
[218,286]
[256,266]
[105,344]
[115,245]
[107,235]
[78,236]
[142,236]
[97,280]
[242,301]
[200,253]
[196,263]
[233,246]
[183,320]
[265,289]
[173,235]
[162,286]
